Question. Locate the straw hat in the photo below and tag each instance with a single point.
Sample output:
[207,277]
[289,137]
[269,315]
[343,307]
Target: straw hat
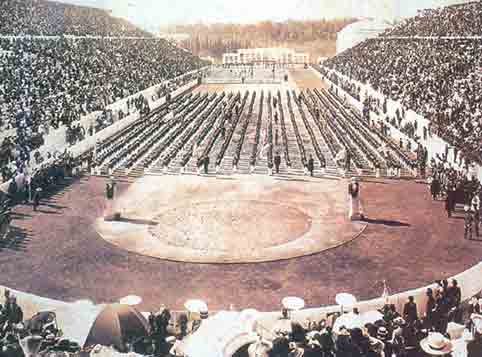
[382,332]
[436,344]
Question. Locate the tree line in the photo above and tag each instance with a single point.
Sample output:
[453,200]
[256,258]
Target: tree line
[316,37]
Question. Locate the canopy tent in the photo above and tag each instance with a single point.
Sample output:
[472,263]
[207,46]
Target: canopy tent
[117,325]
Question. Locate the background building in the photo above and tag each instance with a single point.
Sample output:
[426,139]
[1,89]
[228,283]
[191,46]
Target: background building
[265,55]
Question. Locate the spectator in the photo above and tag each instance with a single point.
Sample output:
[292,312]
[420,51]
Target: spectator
[410,313]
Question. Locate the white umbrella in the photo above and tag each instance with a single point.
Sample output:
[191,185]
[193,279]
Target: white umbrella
[131,300]
[293,303]
[371,317]
[195,306]
[249,317]
[344,299]
[350,321]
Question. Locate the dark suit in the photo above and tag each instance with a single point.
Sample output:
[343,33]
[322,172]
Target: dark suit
[311,166]
[277,162]
[410,312]
[206,164]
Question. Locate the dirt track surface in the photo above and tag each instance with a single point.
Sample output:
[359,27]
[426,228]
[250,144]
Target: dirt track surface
[408,241]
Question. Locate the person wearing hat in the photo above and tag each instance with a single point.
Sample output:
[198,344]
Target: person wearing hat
[312,348]
[435,344]
[383,336]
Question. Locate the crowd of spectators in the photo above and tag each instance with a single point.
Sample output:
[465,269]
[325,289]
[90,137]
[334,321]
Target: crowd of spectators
[85,60]
[56,81]
[456,20]
[439,79]
[20,336]
[49,83]
[49,18]
[394,334]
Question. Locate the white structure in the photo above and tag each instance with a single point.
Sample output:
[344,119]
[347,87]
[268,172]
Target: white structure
[358,32]
[266,55]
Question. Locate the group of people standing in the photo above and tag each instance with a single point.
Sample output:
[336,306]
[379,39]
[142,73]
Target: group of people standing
[455,187]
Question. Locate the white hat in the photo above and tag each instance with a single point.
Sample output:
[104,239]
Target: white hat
[354,179]
[436,344]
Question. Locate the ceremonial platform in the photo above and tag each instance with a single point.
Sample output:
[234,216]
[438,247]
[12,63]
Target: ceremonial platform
[242,219]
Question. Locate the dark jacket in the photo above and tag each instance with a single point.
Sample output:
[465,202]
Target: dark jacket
[311,164]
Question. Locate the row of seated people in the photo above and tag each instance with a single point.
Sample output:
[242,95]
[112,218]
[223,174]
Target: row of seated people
[51,18]
[116,147]
[456,20]
[436,78]
[164,134]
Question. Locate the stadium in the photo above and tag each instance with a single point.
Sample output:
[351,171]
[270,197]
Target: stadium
[155,203]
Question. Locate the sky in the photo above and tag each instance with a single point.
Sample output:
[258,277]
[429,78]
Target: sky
[150,14]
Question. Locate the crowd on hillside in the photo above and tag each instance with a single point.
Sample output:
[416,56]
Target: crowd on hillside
[458,20]
[439,79]
[49,18]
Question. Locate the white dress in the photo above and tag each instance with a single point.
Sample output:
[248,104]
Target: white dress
[355,211]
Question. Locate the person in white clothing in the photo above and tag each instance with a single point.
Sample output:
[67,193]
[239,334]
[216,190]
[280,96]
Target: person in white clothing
[356,211]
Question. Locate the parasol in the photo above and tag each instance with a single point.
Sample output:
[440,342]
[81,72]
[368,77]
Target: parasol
[293,303]
[131,300]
